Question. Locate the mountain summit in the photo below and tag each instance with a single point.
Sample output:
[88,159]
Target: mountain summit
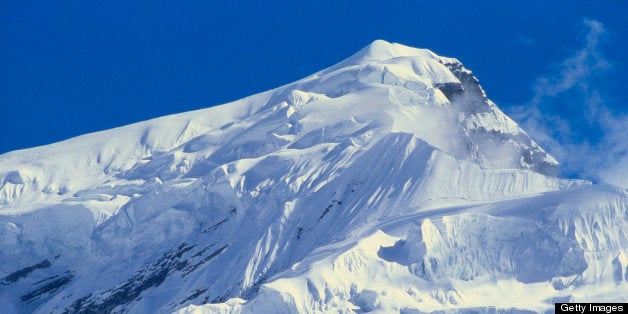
[387,182]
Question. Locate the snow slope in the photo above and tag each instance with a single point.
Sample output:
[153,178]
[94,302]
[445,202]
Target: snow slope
[388,182]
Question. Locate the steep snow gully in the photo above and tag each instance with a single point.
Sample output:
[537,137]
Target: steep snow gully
[386,183]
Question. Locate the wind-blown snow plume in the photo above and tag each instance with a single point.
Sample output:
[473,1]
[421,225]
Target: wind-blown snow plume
[569,113]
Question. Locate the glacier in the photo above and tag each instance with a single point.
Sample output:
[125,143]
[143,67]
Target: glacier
[386,183]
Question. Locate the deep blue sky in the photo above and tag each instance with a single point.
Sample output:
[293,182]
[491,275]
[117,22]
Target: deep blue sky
[73,67]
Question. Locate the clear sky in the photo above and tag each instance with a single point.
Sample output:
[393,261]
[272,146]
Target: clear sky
[74,67]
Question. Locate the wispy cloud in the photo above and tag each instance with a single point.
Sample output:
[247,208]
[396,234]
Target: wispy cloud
[571,118]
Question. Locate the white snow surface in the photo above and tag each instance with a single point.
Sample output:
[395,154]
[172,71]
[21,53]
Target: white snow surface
[385,183]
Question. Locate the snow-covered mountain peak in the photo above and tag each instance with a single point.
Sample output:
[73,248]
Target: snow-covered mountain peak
[384,164]
[420,64]
[381,89]
[381,50]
